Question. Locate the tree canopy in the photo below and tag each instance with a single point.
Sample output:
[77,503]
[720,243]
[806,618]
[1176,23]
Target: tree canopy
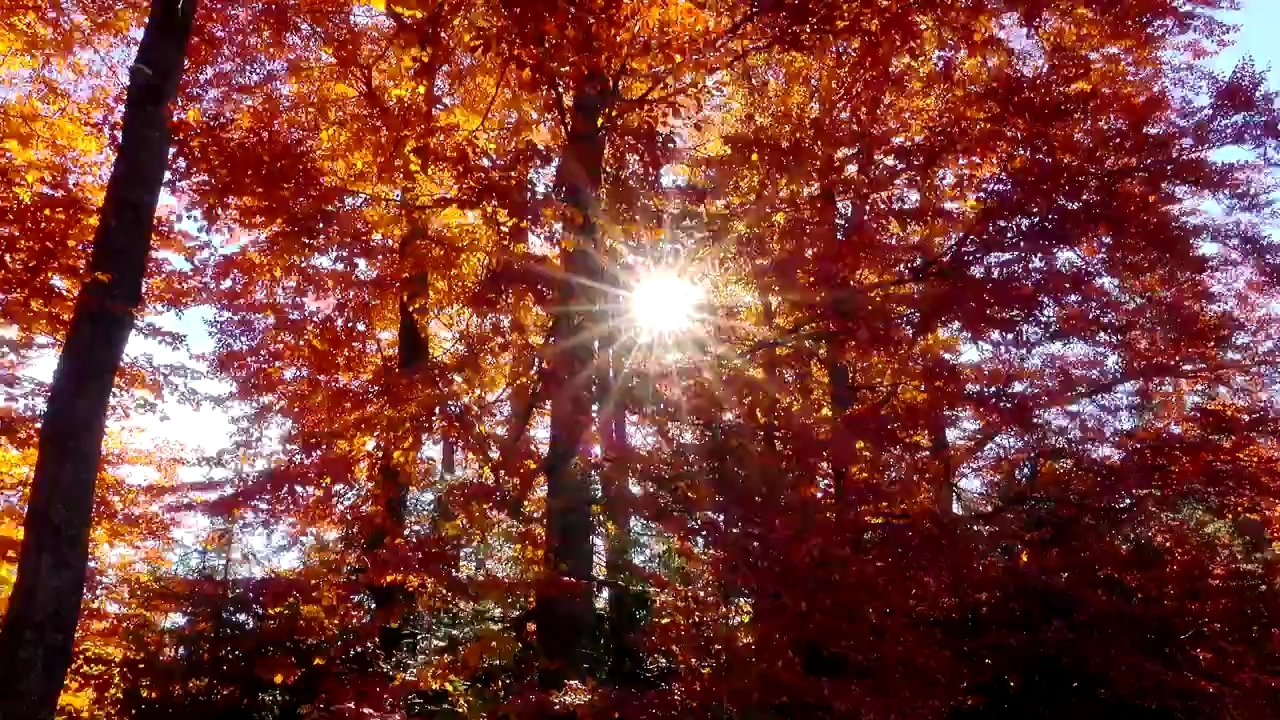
[606,358]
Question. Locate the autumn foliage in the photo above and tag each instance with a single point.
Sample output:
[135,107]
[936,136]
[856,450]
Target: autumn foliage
[975,416]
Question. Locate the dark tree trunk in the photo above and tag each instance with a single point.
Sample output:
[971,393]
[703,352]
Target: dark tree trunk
[841,398]
[39,630]
[448,458]
[399,459]
[402,444]
[942,474]
[772,377]
[621,617]
[839,384]
[565,607]
[624,597]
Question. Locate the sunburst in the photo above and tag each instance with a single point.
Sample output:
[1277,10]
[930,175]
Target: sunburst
[663,305]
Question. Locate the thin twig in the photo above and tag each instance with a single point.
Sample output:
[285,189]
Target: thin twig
[502,76]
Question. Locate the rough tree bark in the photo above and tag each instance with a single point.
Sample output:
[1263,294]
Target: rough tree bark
[565,611]
[39,630]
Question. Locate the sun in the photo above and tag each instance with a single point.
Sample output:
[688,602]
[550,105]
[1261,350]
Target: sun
[663,304]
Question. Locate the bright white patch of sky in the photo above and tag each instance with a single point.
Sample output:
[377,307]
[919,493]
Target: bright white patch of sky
[1259,23]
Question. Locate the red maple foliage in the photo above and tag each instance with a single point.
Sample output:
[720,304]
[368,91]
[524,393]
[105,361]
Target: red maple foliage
[968,410]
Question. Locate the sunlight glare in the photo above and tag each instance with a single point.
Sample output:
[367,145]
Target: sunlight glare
[664,304]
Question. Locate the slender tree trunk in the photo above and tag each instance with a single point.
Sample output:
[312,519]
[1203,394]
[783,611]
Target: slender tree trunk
[448,458]
[617,498]
[942,475]
[623,594]
[839,387]
[39,630]
[399,460]
[772,379]
[402,444]
[565,608]
[840,394]
[769,357]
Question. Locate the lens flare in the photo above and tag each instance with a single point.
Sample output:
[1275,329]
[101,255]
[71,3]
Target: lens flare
[663,305]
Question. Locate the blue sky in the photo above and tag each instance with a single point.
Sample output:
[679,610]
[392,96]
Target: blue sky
[1259,35]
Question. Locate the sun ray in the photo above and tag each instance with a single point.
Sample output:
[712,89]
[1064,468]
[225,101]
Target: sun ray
[587,335]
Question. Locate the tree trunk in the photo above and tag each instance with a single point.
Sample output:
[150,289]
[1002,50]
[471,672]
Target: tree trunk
[942,475]
[840,396]
[39,630]
[839,387]
[402,444]
[624,596]
[399,460]
[772,375]
[623,659]
[565,608]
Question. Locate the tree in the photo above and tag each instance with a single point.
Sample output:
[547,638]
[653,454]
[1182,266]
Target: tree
[992,344]
[876,234]
[976,419]
[40,622]
[485,277]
